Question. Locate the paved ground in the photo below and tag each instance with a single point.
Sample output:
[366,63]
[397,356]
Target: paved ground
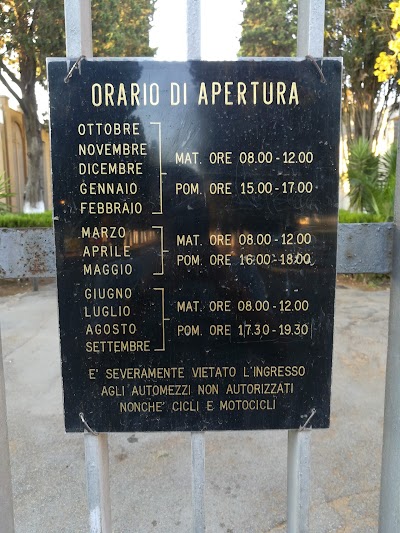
[150,473]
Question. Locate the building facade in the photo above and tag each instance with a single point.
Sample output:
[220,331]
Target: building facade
[14,158]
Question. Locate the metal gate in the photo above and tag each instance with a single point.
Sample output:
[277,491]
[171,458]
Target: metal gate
[362,248]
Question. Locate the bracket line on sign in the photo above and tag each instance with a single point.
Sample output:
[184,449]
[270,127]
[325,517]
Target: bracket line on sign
[161,173]
[77,65]
[163,319]
[87,427]
[304,426]
[161,228]
[323,79]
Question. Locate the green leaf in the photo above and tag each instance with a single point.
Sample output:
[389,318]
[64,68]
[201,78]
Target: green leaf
[4,194]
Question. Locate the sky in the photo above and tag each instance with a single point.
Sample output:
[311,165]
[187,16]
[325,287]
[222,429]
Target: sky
[220,34]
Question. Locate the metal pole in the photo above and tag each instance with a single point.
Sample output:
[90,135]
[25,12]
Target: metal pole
[389,513]
[310,41]
[310,28]
[193,30]
[198,482]
[98,486]
[193,25]
[78,32]
[298,480]
[78,28]
[6,500]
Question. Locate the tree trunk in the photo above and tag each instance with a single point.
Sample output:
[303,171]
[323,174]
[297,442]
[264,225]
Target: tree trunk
[34,186]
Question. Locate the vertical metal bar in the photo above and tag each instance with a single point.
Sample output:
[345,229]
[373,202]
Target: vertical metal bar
[193,31]
[78,31]
[298,480]
[193,24]
[6,500]
[389,513]
[310,28]
[98,486]
[198,482]
[310,41]
[78,28]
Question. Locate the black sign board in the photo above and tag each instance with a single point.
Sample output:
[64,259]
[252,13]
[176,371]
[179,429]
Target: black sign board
[195,213]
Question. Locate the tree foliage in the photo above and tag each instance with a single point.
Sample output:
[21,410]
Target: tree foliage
[363,175]
[269,28]
[4,194]
[387,64]
[31,30]
[121,27]
[372,179]
[357,30]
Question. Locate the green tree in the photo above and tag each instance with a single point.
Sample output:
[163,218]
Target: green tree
[121,27]
[31,30]
[372,179]
[355,29]
[4,194]
[269,28]
[358,30]
[363,176]
[387,64]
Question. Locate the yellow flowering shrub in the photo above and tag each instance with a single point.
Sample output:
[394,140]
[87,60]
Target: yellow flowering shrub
[387,64]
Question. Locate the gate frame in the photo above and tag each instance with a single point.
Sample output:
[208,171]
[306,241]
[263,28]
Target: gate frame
[361,248]
[6,497]
[310,40]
